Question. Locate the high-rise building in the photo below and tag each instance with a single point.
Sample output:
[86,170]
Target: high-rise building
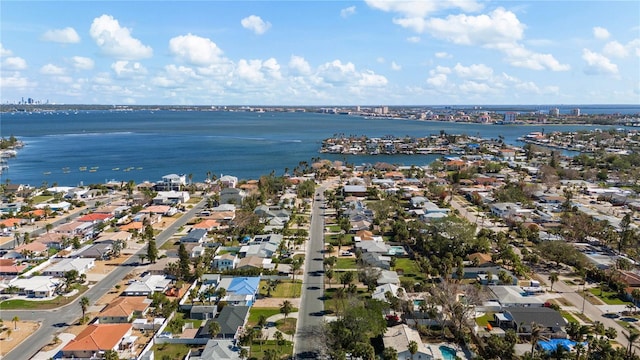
[575,112]
[510,117]
[554,112]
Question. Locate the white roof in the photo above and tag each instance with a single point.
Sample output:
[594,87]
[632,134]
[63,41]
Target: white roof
[79,264]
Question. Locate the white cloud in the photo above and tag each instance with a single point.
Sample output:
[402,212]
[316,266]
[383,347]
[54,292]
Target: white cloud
[370,79]
[437,80]
[616,49]
[421,8]
[128,69]
[600,33]
[116,41]
[195,49]
[299,66]
[82,63]
[474,71]
[476,87]
[598,63]
[395,67]
[413,39]
[443,55]
[256,71]
[67,35]
[335,72]
[50,69]
[14,63]
[16,81]
[346,12]
[498,27]
[519,56]
[5,52]
[255,24]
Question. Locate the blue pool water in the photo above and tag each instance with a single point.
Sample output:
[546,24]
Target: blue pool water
[418,302]
[397,250]
[447,352]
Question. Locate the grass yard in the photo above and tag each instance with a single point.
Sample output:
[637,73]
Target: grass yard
[289,327]
[609,297]
[170,351]
[345,263]
[483,320]
[285,289]
[567,315]
[258,349]
[42,198]
[170,244]
[255,312]
[20,304]
[408,268]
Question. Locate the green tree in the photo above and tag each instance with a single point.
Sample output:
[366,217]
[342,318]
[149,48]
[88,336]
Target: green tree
[152,251]
[183,262]
[389,353]
[214,329]
[84,305]
[346,278]
[286,308]
[111,355]
[413,348]
[15,322]
[553,278]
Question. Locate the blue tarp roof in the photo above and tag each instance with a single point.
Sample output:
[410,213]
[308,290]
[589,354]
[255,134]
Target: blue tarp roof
[552,344]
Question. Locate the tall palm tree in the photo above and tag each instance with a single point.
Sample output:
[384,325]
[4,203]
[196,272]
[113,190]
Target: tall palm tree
[286,308]
[536,333]
[632,337]
[84,305]
[553,278]
[214,329]
[15,322]
[413,348]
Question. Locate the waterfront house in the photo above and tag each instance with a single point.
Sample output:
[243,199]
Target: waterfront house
[95,339]
[123,309]
[171,182]
[232,196]
[228,181]
[171,197]
[399,337]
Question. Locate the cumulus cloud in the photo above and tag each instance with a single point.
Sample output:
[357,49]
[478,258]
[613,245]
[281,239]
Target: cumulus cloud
[395,67]
[336,72]
[413,39]
[256,71]
[255,24]
[346,12]
[437,80]
[16,81]
[299,66]
[195,49]
[598,64]
[116,41]
[600,33]
[50,69]
[82,63]
[474,71]
[128,69]
[67,35]
[618,50]
[14,63]
[443,55]
[421,8]
[5,52]
[370,79]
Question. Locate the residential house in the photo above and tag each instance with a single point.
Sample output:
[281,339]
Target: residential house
[231,320]
[521,318]
[171,182]
[377,260]
[217,349]
[398,337]
[194,236]
[272,215]
[171,197]
[147,286]
[33,249]
[513,296]
[60,268]
[228,181]
[83,230]
[354,190]
[122,236]
[388,277]
[379,247]
[479,258]
[36,286]
[472,272]
[197,251]
[10,269]
[381,290]
[207,225]
[253,262]
[224,262]
[99,250]
[123,309]
[240,289]
[203,312]
[95,339]
[232,196]
[96,218]
[263,250]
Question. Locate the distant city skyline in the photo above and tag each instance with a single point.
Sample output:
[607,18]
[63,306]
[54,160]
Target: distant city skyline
[383,52]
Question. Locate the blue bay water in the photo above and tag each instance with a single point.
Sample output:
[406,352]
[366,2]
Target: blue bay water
[242,144]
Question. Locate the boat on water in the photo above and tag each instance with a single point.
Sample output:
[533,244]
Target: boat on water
[93,170]
[139,168]
[83,168]
[47,173]
[115,169]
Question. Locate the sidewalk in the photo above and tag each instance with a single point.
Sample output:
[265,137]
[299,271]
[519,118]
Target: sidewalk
[45,355]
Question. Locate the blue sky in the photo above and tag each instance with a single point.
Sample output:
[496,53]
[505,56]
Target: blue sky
[374,52]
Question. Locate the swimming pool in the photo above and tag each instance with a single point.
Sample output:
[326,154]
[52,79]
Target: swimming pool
[447,352]
[397,250]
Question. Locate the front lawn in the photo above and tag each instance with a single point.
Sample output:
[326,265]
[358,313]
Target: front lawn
[483,320]
[609,297]
[170,351]
[255,313]
[567,315]
[258,349]
[20,304]
[284,289]
[408,268]
[345,263]
[289,327]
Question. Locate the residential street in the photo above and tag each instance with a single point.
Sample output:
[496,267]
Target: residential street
[311,312]
[56,320]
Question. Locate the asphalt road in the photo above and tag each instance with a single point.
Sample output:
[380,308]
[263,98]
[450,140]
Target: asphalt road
[590,310]
[311,312]
[56,320]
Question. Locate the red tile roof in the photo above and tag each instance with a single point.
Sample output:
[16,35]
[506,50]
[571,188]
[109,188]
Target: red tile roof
[98,337]
[95,217]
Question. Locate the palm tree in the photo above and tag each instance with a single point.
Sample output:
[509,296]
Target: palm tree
[553,277]
[214,329]
[279,339]
[536,332]
[84,304]
[632,337]
[413,348]
[15,322]
[244,353]
[286,308]
[635,295]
